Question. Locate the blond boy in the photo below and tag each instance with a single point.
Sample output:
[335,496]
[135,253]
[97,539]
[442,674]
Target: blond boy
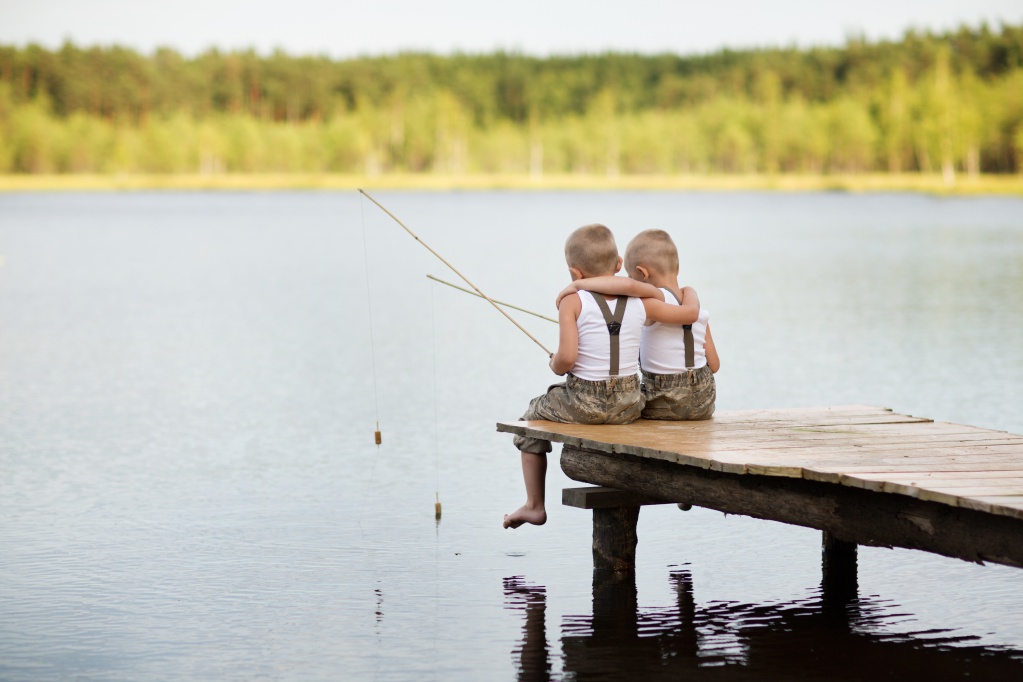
[598,349]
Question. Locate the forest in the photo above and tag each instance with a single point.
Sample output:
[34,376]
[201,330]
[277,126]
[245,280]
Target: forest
[947,103]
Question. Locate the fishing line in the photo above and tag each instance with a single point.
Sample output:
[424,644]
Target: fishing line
[436,414]
[455,270]
[369,302]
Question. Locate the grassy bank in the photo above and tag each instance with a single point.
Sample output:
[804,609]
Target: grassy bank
[879,182]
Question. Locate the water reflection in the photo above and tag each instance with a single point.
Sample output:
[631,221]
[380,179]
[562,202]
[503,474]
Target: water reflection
[531,653]
[831,634]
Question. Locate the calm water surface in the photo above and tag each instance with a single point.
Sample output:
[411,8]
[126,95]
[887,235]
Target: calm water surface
[189,488]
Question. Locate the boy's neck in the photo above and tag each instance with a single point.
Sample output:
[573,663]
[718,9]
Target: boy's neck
[588,275]
[665,281]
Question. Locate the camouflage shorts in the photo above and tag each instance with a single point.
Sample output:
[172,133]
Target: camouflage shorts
[679,397]
[577,401]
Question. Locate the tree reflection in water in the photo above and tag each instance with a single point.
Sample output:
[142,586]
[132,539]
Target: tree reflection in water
[832,634]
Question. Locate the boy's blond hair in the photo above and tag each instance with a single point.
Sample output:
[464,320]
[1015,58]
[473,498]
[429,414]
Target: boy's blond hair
[592,250]
[654,250]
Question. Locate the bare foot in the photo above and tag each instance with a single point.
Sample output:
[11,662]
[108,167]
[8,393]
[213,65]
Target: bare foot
[526,514]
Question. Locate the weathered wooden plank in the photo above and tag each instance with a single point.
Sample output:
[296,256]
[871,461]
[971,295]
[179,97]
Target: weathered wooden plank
[599,497]
[612,439]
[794,468]
[698,430]
[781,443]
[816,422]
[880,457]
[769,440]
[1001,445]
[790,471]
[952,494]
[994,484]
[935,479]
[802,412]
[868,453]
[787,439]
[1005,505]
[918,489]
[831,471]
[835,474]
[850,514]
[882,460]
[933,476]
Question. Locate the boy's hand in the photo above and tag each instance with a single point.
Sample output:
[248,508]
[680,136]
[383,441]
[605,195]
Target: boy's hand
[689,297]
[567,291]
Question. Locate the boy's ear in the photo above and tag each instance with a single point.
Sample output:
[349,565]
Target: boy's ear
[645,273]
[576,273]
[618,267]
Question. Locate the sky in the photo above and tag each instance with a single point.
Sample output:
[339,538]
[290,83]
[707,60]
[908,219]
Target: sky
[341,28]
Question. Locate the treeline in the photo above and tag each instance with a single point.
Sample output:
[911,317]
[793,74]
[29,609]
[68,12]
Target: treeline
[949,103]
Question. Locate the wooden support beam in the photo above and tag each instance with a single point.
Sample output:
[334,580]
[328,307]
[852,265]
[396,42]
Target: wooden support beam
[615,539]
[615,515]
[599,497]
[855,515]
[838,569]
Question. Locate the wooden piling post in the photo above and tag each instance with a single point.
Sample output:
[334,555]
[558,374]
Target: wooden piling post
[615,513]
[614,539]
[838,569]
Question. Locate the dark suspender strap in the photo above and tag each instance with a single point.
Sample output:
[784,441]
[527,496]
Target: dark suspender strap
[614,324]
[687,338]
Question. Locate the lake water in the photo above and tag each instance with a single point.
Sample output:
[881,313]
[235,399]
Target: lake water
[189,385]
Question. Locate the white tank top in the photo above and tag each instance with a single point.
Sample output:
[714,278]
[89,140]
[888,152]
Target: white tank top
[662,349]
[594,360]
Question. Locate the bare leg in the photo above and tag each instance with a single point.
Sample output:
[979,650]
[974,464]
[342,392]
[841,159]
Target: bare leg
[534,473]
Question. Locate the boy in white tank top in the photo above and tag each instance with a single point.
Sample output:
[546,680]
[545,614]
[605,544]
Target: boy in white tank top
[678,363]
[598,348]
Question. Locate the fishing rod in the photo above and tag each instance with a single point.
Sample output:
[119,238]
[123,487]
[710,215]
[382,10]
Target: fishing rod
[455,270]
[506,305]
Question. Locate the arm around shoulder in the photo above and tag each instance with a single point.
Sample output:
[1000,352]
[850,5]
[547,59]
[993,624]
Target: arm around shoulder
[611,285]
[687,312]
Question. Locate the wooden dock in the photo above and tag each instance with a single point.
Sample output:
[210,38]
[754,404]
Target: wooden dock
[864,475]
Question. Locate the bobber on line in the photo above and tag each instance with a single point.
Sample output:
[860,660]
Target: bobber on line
[436,507]
[376,434]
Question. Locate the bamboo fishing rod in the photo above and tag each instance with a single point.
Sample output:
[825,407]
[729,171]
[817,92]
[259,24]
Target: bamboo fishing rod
[455,270]
[506,305]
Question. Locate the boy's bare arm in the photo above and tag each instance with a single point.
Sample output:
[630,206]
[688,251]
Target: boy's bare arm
[568,335]
[689,298]
[711,351]
[612,286]
[685,313]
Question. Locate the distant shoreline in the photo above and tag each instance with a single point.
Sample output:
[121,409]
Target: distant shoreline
[867,182]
